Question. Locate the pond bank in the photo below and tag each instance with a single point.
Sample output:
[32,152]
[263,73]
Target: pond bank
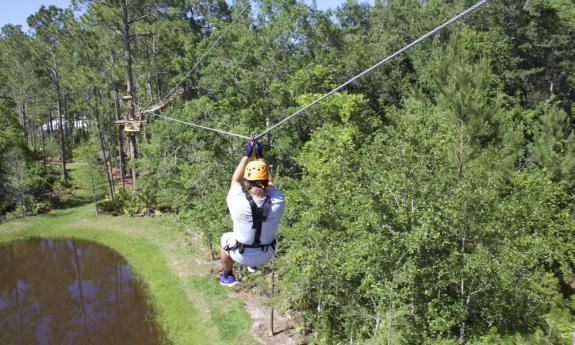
[176,271]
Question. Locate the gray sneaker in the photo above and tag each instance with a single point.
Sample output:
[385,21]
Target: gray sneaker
[252,269]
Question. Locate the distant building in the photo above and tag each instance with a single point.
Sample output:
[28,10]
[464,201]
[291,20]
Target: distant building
[78,124]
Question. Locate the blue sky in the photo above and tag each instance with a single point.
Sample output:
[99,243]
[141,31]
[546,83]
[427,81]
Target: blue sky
[16,12]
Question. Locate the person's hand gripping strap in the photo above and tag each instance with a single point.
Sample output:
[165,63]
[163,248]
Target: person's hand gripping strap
[258,149]
[254,150]
[249,150]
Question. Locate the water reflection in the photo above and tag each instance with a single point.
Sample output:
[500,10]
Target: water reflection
[70,292]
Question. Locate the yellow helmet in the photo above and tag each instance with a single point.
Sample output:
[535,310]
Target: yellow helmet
[256,171]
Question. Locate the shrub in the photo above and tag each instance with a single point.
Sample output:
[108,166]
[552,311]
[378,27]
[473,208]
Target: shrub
[29,207]
[107,206]
[127,203]
[40,179]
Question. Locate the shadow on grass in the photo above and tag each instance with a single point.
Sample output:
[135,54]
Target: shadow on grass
[73,202]
[69,214]
[80,189]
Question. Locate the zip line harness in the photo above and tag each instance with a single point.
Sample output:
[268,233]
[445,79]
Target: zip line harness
[259,216]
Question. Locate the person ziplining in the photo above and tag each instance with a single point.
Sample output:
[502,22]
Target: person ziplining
[256,207]
[256,211]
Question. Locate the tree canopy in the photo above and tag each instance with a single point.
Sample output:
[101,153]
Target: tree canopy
[429,202]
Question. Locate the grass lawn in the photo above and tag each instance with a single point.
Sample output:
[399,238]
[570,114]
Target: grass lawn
[191,307]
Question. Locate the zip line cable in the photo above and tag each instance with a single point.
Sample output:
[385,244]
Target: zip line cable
[412,44]
[301,110]
[187,75]
[202,127]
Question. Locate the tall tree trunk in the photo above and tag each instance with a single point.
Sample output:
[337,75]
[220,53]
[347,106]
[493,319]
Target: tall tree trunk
[107,152]
[50,124]
[57,86]
[84,120]
[133,145]
[148,62]
[120,138]
[22,118]
[108,176]
[62,139]
[43,148]
[156,72]
[67,119]
[462,229]
[102,147]
[33,134]
[49,138]
[30,132]
[21,114]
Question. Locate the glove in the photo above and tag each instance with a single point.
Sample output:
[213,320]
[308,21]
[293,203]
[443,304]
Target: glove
[259,151]
[249,148]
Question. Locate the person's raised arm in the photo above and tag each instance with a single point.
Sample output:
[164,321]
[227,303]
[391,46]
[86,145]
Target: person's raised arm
[238,176]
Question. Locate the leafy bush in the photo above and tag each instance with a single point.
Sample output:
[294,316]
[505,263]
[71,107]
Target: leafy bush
[108,206]
[127,203]
[40,179]
[130,202]
[29,207]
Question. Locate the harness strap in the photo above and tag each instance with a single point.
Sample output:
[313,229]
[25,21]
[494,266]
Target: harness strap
[259,215]
[242,247]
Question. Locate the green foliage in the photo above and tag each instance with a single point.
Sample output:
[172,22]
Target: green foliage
[430,202]
[129,202]
[39,180]
[28,207]
[112,207]
[126,203]
[554,148]
[22,180]
[381,236]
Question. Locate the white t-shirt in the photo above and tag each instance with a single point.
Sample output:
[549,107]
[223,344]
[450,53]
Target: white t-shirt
[241,214]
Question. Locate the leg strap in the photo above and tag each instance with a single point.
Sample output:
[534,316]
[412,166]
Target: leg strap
[242,247]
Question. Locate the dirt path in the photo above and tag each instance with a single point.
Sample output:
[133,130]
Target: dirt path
[254,303]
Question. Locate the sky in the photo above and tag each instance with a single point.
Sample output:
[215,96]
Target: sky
[16,12]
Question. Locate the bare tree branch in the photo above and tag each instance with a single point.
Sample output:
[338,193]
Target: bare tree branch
[133,20]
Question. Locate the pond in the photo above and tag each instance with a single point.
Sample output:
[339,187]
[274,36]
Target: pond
[71,292]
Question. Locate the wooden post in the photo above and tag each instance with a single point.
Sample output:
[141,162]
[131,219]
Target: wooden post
[271,333]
